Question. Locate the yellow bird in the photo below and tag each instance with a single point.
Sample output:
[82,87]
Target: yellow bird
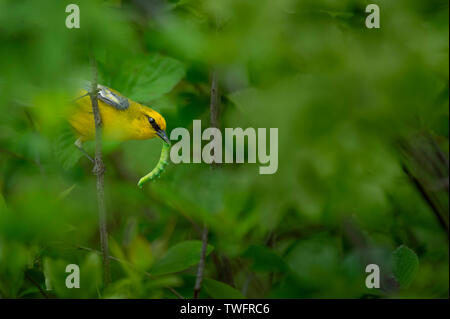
[122,118]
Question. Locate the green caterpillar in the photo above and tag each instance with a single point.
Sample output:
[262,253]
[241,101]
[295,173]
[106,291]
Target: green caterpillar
[159,168]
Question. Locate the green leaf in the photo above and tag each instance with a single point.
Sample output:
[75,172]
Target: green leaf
[179,257]
[65,151]
[14,259]
[220,290]
[405,265]
[117,252]
[91,275]
[140,253]
[144,78]
[265,259]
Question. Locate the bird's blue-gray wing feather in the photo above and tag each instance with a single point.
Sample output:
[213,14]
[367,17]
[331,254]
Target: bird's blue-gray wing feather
[109,97]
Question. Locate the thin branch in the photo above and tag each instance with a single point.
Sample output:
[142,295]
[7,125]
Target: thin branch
[427,168]
[43,293]
[201,264]
[214,106]
[214,101]
[223,266]
[176,293]
[99,171]
[247,283]
[428,199]
[214,118]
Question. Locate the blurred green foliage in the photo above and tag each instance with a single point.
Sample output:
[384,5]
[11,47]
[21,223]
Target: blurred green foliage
[341,95]
[406,264]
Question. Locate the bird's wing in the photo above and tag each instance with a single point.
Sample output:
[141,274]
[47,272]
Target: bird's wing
[111,97]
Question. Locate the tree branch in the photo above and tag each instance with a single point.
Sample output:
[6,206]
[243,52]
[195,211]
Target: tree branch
[214,102]
[201,264]
[99,171]
[214,118]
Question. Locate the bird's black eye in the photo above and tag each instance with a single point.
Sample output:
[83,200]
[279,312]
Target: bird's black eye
[153,123]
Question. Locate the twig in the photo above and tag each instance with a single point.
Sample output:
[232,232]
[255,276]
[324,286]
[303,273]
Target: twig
[214,113]
[214,106]
[427,168]
[247,283]
[99,171]
[428,199]
[223,267]
[43,293]
[201,264]
[214,101]
[176,293]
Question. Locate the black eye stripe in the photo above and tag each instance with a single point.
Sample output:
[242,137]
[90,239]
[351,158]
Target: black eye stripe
[153,123]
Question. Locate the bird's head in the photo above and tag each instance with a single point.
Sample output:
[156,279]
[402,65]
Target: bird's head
[153,124]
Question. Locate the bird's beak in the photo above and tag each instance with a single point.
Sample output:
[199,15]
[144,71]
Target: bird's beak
[162,134]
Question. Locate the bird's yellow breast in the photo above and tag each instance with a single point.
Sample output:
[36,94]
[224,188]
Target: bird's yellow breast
[116,124]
